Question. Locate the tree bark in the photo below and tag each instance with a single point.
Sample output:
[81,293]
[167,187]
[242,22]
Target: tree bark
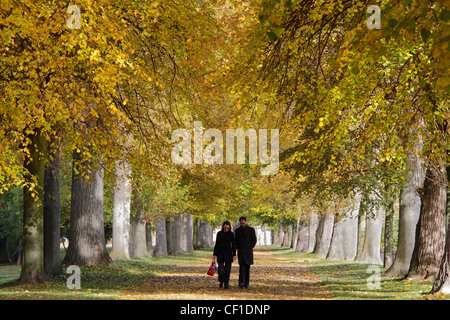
[121,212]
[313,225]
[388,235]
[52,213]
[161,242]
[336,251]
[281,235]
[33,214]
[350,229]
[87,245]
[302,238]
[287,237]
[138,240]
[361,230]
[325,234]
[177,236]
[442,282]
[343,244]
[148,232]
[169,235]
[409,212]
[138,229]
[372,238]
[188,226]
[204,234]
[430,230]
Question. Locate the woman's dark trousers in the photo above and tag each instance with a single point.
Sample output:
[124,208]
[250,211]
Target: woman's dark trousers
[224,269]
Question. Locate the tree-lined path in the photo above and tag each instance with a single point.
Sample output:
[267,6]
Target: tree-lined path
[131,130]
[272,277]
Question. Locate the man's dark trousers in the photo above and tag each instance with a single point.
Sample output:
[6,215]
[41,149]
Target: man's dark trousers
[244,274]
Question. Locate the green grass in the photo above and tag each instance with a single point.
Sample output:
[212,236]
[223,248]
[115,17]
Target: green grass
[348,280]
[97,282]
[345,280]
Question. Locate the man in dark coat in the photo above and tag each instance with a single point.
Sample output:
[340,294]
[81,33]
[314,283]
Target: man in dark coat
[245,238]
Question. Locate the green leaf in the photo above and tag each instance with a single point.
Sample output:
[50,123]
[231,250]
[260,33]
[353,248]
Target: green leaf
[278,31]
[272,36]
[392,23]
[422,83]
[445,15]
[262,18]
[425,33]
[355,69]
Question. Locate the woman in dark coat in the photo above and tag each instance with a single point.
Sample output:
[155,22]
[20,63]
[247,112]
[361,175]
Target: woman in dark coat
[225,253]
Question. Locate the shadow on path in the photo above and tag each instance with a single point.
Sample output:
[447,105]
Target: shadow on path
[271,278]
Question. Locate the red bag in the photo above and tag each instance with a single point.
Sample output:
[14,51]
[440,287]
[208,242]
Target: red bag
[211,269]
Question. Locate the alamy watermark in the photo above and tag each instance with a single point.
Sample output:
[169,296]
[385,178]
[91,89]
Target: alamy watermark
[374,21]
[213,151]
[74,21]
[74,281]
[374,280]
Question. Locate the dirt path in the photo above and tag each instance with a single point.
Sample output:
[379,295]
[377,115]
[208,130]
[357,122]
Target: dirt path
[271,277]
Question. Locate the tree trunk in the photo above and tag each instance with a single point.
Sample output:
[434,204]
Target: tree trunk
[287,237]
[121,212]
[188,226]
[138,240]
[325,234]
[361,230]
[52,214]
[442,282]
[177,234]
[33,214]
[169,235]
[148,237]
[292,235]
[409,212]
[388,235]
[296,233]
[161,242]
[350,229]
[430,231]
[302,238]
[344,241]
[87,245]
[372,238]
[204,234]
[336,251]
[138,229]
[313,225]
[281,235]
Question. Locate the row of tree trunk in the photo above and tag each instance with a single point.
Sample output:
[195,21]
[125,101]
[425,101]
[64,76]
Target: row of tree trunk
[423,250]
[87,245]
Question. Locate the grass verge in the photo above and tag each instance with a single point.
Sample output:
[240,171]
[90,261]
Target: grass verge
[348,280]
[97,282]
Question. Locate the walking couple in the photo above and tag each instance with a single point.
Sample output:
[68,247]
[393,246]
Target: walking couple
[244,240]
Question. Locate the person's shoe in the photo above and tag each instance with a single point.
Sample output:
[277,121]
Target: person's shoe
[221,285]
[226,286]
[241,285]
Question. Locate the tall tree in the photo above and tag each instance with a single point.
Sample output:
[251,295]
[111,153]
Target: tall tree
[52,211]
[87,244]
[442,281]
[33,215]
[161,244]
[430,230]
[372,237]
[409,212]
[121,212]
